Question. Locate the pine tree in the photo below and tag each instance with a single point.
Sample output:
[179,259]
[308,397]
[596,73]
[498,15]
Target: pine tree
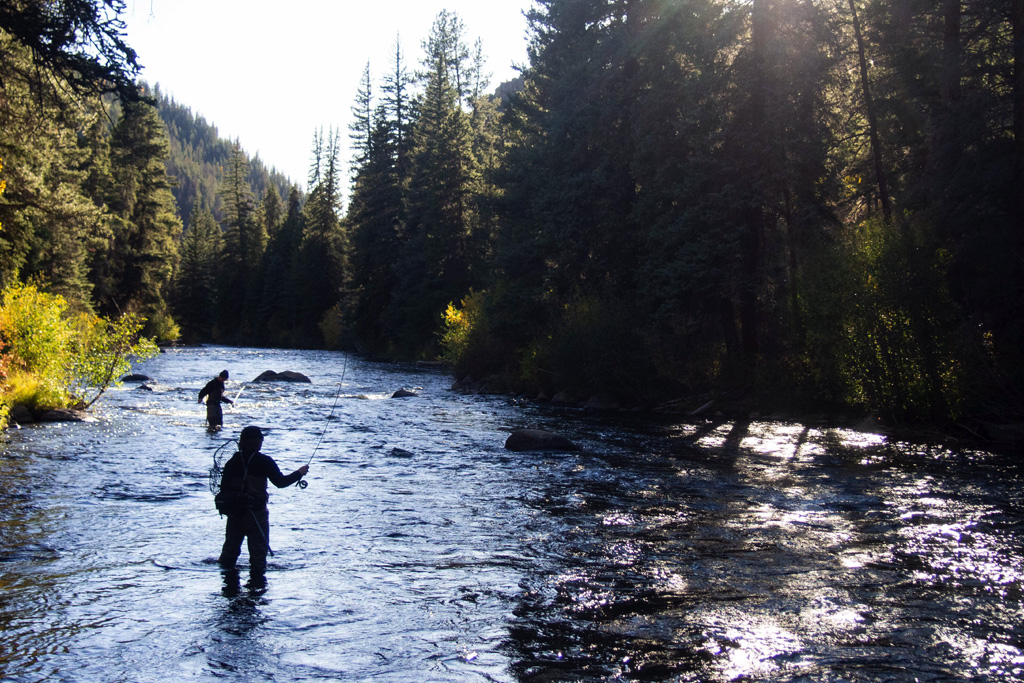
[281,293]
[323,251]
[52,222]
[399,110]
[437,241]
[245,239]
[196,288]
[139,261]
[375,225]
[361,128]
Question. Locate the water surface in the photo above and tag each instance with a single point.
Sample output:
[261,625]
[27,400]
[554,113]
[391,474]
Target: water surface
[423,551]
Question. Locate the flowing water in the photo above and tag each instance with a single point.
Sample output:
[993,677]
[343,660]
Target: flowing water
[422,550]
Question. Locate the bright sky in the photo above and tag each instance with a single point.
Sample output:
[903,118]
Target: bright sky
[272,73]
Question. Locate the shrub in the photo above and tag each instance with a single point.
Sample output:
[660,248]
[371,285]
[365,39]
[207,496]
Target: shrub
[883,326]
[51,360]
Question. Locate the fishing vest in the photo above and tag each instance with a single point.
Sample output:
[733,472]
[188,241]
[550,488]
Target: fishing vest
[241,492]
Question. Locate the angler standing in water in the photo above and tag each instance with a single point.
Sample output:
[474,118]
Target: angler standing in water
[214,393]
[243,498]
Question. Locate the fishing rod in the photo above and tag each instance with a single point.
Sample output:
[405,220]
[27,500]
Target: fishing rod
[244,385]
[302,483]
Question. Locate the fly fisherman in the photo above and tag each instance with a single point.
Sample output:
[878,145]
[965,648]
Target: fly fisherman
[243,498]
[214,393]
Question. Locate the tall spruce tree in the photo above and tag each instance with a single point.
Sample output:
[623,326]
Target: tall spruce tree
[245,239]
[375,224]
[323,251]
[139,260]
[399,109]
[196,280]
[281,293]
[436,254]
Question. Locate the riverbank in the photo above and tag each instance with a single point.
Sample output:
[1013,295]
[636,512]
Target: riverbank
[969,432]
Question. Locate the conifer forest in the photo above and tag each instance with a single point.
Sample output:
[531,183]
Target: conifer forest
[814,203]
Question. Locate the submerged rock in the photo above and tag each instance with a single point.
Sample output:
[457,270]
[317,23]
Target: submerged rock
[135,378]
[286,376]
[64,415]
[538,440]
[403,393]
[400,453]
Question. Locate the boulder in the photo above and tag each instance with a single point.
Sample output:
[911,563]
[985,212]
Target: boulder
[21,414]
[564,398]
[403,393]
[64,415]
[538,440]
[286,376]
[602,402]
[135,378]
[400,453]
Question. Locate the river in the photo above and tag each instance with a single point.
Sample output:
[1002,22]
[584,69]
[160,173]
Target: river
[422,550]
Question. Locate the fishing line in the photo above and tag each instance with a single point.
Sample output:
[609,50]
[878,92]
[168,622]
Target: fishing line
[302,483]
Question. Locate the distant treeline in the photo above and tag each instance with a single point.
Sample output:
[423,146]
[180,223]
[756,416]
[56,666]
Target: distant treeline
[782,201]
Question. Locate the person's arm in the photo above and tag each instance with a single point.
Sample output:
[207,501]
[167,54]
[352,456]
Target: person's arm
[224,399]
[274,475]
[202,392]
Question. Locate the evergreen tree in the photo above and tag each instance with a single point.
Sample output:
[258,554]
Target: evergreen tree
[196,288]
[136,267]
[272,210]
[375,224]
[437,243]
[361,128]
[82,44]
[399,109]
[281,297]
[323,251]
[245,239]
[50,220]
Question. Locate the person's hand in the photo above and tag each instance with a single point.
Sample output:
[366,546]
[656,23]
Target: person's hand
[231,402]
[199,401]
[304,469]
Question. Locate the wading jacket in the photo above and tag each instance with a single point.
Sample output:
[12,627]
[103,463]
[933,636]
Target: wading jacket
[215,390]
[250,478]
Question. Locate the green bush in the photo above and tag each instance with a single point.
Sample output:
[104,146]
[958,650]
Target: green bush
[51,359]
[882,326]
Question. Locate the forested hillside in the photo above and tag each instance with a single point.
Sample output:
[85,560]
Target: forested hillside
[199,158]
[777,201]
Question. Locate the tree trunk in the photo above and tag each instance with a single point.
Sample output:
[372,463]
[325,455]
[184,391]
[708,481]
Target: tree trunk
[869,104]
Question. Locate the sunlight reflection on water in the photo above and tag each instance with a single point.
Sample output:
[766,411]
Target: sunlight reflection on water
[422,550]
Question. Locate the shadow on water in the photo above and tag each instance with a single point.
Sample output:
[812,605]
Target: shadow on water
[424,551]
[760,551]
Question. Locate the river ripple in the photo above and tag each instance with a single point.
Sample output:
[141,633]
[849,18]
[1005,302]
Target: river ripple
[423,551]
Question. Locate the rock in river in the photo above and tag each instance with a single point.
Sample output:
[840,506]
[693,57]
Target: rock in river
[538,440]
[286,376]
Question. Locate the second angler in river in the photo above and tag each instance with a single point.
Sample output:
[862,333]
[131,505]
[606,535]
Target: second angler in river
[214,393]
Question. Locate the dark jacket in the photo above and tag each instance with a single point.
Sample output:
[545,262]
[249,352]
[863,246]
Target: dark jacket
[215,390]
[250,478]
